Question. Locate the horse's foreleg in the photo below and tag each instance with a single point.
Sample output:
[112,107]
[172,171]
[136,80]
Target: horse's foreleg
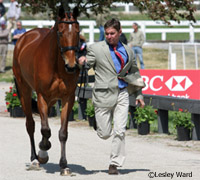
[45,130]
[63,134]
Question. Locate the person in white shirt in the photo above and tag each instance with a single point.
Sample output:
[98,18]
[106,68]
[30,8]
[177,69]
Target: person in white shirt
[13,15]
[3,45]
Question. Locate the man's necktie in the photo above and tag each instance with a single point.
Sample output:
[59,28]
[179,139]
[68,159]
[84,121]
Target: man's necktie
[120,57]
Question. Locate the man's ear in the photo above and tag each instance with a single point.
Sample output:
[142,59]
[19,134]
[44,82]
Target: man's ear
[120,31]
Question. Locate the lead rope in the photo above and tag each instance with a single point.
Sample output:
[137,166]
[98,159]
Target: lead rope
[84,80]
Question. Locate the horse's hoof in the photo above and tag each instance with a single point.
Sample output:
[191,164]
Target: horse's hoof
[35,166]
[43,157]
[65,172]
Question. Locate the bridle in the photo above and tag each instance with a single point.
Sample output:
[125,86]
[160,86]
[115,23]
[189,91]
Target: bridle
[67,48]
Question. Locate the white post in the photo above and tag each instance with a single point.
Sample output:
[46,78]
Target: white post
[40,25]
[127,8]
[163,36]
[183,54]
[91,33]
[196,56]
[143,30]
[191,33]
[169,55]
[173,61]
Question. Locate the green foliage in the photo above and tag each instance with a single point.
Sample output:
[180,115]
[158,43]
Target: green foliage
[164,10]
[182,119]
[145,114]
[75,107]
[90,109]
[12,99]
[34,95]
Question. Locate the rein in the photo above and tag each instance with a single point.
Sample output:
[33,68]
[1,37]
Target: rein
[84,80]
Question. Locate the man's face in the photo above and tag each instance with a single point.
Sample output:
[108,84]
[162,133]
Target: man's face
[19,26]
[112,36]
[134,27]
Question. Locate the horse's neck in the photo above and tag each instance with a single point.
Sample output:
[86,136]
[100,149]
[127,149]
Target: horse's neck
[53,42]
[55,52]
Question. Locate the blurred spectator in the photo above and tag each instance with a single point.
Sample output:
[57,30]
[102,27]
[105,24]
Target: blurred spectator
[18,32]
[2,10]
[3,45]
[100,21]
[136,42]
[13,15]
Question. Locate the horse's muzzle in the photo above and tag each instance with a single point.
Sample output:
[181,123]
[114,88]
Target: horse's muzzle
[71,70]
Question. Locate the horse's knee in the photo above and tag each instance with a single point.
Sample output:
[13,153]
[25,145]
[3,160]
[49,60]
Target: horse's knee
[63,136]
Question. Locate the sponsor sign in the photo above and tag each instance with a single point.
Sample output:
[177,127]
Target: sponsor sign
[176,83]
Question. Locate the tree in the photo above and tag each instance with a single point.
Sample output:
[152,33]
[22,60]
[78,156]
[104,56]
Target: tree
[164,10]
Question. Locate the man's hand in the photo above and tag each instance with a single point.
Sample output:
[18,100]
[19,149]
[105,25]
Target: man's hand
[141,102]
[81,60]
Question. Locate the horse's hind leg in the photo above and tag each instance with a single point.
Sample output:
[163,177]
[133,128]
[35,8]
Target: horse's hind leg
[25,93]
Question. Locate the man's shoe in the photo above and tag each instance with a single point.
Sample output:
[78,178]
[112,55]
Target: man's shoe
[112,169]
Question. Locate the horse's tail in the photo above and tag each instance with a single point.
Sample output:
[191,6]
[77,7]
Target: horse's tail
[33,101]
[16,85]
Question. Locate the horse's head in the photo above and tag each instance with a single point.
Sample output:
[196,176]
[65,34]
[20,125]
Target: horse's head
[68,38]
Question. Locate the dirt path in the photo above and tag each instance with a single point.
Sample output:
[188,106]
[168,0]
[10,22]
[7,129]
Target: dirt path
[158,156]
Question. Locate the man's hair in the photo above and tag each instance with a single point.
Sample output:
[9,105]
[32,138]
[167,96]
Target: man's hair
[114,23]
[18,21]
[136,24]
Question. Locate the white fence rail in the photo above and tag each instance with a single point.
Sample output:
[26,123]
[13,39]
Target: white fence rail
[89,27]
[184,56]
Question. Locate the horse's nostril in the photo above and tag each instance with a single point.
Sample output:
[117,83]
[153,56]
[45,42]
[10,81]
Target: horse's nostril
[70,69]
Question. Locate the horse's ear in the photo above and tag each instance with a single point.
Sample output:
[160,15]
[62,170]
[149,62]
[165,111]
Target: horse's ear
[61,12]
[75,12]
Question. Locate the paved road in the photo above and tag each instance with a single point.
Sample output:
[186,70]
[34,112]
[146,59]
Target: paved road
[88,156]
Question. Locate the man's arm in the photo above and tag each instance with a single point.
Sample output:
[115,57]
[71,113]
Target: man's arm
[89,58]
[141,38]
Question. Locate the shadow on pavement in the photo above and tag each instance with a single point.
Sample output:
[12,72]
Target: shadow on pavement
[53,168]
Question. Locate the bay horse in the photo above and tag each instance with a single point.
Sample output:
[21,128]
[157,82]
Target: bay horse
[45,60]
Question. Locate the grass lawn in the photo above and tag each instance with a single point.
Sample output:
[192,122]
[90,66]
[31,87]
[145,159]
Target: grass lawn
[8,75]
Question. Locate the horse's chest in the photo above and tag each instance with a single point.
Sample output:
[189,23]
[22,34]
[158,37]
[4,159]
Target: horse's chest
[63,88]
